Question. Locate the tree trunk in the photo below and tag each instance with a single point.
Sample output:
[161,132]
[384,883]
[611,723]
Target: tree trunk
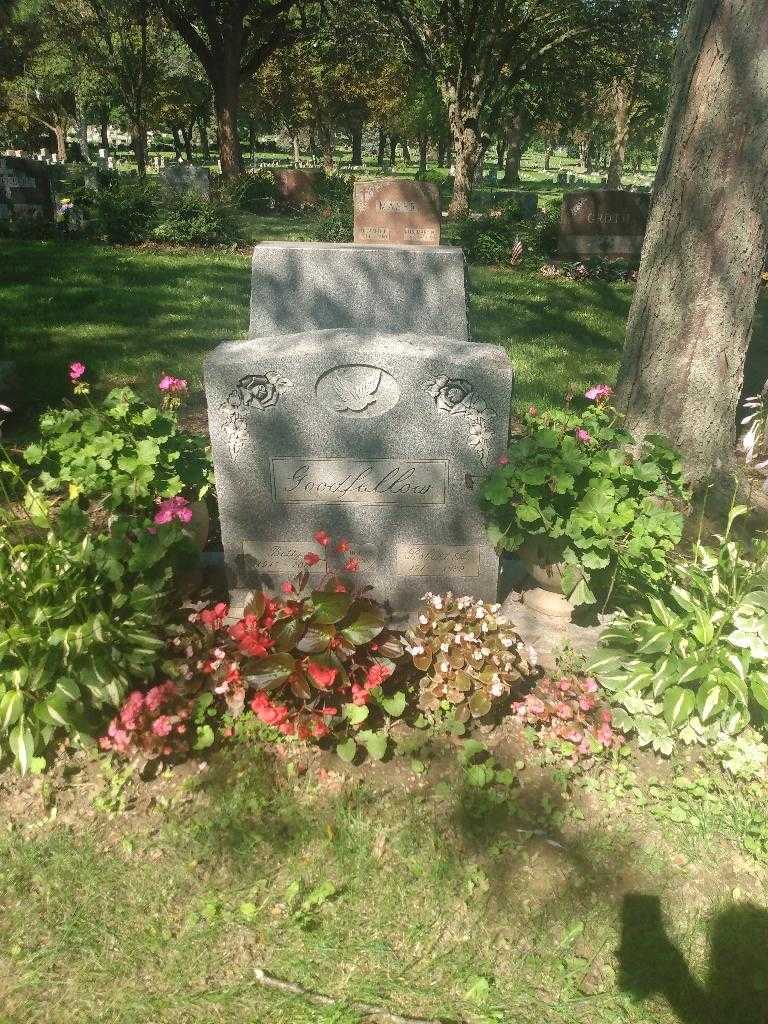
[139,146]
[585,155]
[227,103]
[393,140]
[357,145]
[423,153]
[442,149]
[82,136]
[186,135]
[104,128]
[406,151]
[204,144]
[295,146]
[325,136]
[251,138]
[61,142]
[694,305]
[622,106]
[176,142]
[382,147]
[501,150]
[514,149]
[547,156]
[466,150]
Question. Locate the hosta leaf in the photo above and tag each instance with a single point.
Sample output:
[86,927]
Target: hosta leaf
[678,706]
[618,633]
[11,707]
[22,744]
[607,661]
[271,671]
[734,720]
[330,607]
[736,685]
[710,699]
[662,614]
[654,639]
[759,687]
[683,598]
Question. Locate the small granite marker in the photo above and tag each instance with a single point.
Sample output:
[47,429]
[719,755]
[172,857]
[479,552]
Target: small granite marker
[603,222]
[393,289]
[395,210]
[184,177]
[378,439]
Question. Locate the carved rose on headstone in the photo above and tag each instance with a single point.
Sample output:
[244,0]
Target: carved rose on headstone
[254,391]
[456,397]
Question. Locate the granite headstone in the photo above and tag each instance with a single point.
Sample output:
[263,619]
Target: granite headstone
[297,187]
[396,210]
[394,289]
[25,188]
[603,222]
[185,177]
[380,439]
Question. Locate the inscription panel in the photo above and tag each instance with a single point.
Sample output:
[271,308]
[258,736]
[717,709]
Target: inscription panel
[394,210]
[437,560]
[359,481]
[282,556]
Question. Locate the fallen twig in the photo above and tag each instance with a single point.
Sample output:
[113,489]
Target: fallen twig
[320,1000]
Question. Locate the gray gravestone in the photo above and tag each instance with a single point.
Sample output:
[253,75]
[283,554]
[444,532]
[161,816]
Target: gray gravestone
[377,439]
[25,188]
[183,177]
[528,202]
[390,289]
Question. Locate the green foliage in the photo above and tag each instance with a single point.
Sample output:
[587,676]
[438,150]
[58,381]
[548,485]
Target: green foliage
[694,666]
[82,618]
[186,217]
[493,239]
[125,212]
[121,453]
[255,191]
[575,492]
[338,226]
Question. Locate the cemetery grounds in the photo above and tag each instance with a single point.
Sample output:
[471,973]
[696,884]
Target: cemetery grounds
[437,885]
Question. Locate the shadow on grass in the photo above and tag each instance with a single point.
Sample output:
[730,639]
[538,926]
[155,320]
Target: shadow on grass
[736,989]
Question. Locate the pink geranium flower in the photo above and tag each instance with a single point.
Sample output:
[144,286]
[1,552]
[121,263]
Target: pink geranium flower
[173,508]
[76,371]
[599,392]
[583,435]
[173,385]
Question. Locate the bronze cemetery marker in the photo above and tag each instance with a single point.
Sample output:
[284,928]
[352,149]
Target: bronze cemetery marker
[603,222]
[396,211]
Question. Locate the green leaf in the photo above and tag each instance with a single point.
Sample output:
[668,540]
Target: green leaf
[394,705]
[330,607]
[581,594]
[271,671]
[22,744]
[59,710]
[205,738]
[316,639]
[679,705]
[366,625]
[759,687]
[355,713]
[147,452]
[710,699]
[11,707]
[347,750]
[374,742]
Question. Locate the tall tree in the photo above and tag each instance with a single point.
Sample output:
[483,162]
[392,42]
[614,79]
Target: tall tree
[233,39]
[692,314]
[476,52]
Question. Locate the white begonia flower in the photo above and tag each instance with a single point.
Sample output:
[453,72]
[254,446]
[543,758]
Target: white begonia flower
[445,648]
[423,620]
[485,651]
[533,657]
[506,642]
[495,608]
[502,620]
[445,666]
[457,628]
[484,628]
[497,689]
[477,655]
[437,602]
[479,613]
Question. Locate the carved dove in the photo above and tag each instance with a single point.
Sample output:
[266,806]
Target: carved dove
[356,390]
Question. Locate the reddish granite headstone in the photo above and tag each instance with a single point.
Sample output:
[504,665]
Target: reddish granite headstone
[25,188]
[297,187]
[603,222]
[395,210]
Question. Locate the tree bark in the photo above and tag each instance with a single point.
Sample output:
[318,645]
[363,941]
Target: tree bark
[514,149]
[251,138]
[547,156]
[423,152]
[466,151]
[104,128]
[585,154]
[393,140]
[176,142]
[82,137]
[204,144]
[59,132]
[406,151]
[442,149]
[186,135]
[357,144]
[382,147]
[296,148]
[622,108]
[694,305]
[325,135]
[139,146]
[501,151]
[227,103]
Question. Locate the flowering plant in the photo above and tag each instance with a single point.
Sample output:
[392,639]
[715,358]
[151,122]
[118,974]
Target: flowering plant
[311,662]
[567,713]
[572,490]
[122,452]
[469,656]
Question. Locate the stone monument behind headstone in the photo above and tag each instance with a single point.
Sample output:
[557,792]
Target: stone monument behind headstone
[378,439]
[297,187]
[397,210]
[183,177]
[603,222]
[395,289]
[25,189]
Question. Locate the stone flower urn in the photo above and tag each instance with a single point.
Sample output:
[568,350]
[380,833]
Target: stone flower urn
[544,595]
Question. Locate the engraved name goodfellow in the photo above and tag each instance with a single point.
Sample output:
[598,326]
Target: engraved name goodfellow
[360,482]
